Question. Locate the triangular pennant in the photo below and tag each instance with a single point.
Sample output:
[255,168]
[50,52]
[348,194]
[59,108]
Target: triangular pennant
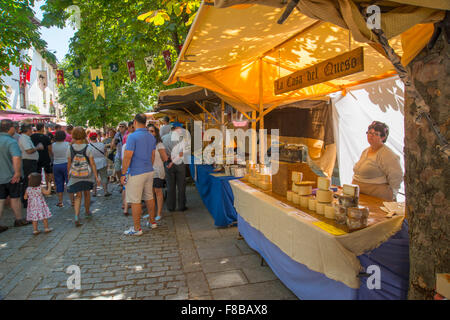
[131,70]
[97,81]
[77,73]
[167,59]
[114,67]
[150,63]
[60,77]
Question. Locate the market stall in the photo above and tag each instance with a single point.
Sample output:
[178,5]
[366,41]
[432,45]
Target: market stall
[258,66]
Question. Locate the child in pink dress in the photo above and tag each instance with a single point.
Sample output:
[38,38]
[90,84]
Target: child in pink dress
[37,207]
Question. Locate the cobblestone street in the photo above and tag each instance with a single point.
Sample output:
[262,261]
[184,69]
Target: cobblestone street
[186,257]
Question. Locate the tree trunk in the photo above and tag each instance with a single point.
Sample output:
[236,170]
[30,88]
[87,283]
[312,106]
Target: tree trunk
[427,172]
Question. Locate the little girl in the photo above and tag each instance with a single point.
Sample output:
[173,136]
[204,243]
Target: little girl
[37,207]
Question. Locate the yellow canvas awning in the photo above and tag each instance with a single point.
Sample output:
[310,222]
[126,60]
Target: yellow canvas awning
[240,51]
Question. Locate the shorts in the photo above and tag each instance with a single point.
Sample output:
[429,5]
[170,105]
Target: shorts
[139,187]
[117,164]
[11,190]
[103,175]
[48,168]
[159,183]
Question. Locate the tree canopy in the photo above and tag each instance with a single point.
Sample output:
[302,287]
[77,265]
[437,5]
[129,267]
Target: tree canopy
[110,32]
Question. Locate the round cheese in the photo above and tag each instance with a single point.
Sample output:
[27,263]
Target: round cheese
[304,190]
[296,198]
[320,208]
[265,178]
[266,186]
[324,196]
[323,183]
[329,212]
[289,195]
[304,201]
[312,204]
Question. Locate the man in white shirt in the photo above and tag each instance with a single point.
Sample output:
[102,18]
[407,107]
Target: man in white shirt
[178,146]
[30,155]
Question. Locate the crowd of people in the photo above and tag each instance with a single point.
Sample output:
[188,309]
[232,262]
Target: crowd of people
[143,158]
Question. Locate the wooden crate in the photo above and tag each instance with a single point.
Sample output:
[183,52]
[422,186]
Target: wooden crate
[282,181]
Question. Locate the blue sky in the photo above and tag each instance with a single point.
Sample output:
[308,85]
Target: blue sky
[57,39]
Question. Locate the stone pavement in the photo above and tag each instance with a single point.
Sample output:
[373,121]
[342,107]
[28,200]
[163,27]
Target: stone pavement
[186,257]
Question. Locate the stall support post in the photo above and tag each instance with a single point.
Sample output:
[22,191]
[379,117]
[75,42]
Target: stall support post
[222,127]
[262,146]
[254,146]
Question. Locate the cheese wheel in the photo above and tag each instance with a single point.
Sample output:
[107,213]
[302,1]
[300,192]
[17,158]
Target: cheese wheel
[323,183]
[304,201]
[265,177]
[351,190]
[295,198]
[312,204]
[329,212]
[324,196]
[294,188]
[320,208]
[289,195]
[304,190]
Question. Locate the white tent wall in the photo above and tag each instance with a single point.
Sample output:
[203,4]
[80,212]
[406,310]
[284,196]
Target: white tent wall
[383,101]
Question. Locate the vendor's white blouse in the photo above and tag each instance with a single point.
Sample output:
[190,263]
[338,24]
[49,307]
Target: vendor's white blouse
[379,168]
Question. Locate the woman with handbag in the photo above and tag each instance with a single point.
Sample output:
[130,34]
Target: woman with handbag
[98,150]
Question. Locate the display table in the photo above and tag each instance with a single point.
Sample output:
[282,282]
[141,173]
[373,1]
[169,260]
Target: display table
[216,194]
[317,260]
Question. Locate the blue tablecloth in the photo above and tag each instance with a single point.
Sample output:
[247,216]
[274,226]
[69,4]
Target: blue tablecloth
[392,257]
[216,194]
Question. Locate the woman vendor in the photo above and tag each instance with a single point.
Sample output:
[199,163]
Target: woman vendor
[378,172]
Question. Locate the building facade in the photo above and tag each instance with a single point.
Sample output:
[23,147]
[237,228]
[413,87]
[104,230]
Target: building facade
[31,97]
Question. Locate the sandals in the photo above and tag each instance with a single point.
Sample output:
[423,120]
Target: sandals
[48,230]
[60,204]
[36,232]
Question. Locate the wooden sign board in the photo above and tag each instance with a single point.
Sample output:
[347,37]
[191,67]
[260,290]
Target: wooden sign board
[337,67]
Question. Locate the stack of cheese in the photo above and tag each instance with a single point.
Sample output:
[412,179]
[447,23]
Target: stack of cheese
[324,197]
[301,190]
[260,180]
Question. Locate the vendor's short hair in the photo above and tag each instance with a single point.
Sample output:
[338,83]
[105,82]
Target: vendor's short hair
[78,133]
[166,119]
[60,136]
[382,128]
[141,118]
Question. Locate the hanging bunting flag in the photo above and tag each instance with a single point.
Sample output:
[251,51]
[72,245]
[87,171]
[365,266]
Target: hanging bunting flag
[167,59]
[42,80]
[150,63]
[131,70]
[23,77]
[77,73]
[28,68]
[114,67]
[60,77]
[97,81]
